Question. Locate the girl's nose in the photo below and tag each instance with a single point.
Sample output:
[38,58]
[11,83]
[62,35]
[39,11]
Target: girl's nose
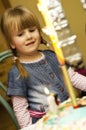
[28,35]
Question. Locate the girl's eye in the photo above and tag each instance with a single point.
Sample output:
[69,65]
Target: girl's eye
[32,29]
[20,34]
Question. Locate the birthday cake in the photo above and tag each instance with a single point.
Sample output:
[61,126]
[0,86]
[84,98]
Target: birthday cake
[66,118]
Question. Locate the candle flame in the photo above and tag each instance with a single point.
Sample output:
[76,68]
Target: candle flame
[46,90]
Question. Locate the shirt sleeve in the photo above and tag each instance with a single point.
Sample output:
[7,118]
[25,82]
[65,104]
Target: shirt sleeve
[78,80]
[20,107]
[16,84]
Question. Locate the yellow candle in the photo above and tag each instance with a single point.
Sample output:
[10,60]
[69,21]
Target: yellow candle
[55,43]
[69,86]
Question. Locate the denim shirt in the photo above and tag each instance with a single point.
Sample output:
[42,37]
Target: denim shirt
[44,73]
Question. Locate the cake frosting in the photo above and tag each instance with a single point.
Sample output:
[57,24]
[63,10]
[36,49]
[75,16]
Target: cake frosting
[66,117]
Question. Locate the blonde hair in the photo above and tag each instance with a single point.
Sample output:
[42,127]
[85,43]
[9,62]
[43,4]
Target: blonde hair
[16,19]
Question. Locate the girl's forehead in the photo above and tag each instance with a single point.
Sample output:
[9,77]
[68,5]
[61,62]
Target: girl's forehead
[17,30]
[19,24]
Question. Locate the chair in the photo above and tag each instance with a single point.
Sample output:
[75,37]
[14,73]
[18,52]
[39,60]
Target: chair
[3,101]
[5,54]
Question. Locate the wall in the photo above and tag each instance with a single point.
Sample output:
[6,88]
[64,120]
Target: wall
[76,16]
[74,13]
[2,41]
[6,64]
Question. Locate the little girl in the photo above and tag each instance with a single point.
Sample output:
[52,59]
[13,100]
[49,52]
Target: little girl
[34,69]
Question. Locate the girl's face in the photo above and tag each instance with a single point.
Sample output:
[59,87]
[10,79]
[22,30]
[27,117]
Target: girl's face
[26,42]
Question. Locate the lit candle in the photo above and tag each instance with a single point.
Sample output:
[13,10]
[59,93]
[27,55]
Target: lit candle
[55,43]
[51,101]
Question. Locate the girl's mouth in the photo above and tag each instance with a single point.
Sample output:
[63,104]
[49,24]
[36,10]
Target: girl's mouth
[29,43]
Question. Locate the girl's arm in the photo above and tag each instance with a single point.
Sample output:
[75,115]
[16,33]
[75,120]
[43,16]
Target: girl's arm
[20,106]
[78,80]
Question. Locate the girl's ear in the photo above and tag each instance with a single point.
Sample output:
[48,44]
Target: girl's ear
[12,45]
